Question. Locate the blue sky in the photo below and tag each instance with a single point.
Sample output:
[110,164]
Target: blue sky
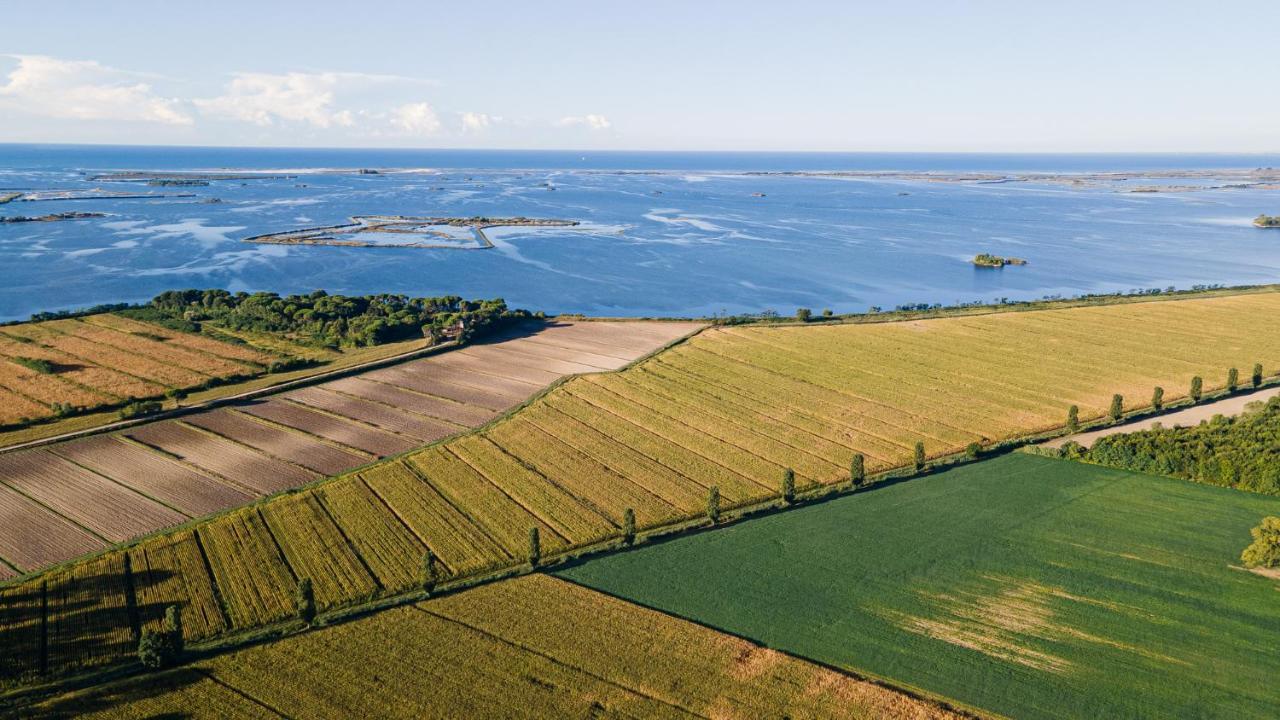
[879,76]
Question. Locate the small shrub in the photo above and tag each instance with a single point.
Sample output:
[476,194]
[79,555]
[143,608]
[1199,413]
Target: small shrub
[139,408]
[972,450]
[804,314]
[163,647]
[44,367]
[713,504]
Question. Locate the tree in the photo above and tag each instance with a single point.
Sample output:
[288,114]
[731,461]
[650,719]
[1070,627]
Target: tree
[1233,379]
[919,456]
[1257,375]
[1157,398]
[804,314]
[429,574]
[857,470]
[629,526]
[1196,386]
[535,547]
[788,486]
[1264,552]
[161,648]
[713,504]
[304,601]
[972,450]
[1117,407]
[1073,419]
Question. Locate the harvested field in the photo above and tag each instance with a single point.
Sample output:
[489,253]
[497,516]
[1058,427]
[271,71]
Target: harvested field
[224,458]
[448,410]
[110,510]
[533,647]
[32,536]
[102,379]
[431,381]
[415,426]
[256,584]
[15,408]
[158,372]
[188,341]
[205,364]
[295,447]
[47,389]
[347,432]
[154,475]
[492,360]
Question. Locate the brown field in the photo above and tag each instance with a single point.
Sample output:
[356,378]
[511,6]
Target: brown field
[195,343]
[224,458]
[210,461]
[331,427]
[162,351]
[413,401]
[48,389]
[152,474]
[383,416]
[32,536]
[86,351]
[289,445]
[14,407]
[103,379]
[110,510]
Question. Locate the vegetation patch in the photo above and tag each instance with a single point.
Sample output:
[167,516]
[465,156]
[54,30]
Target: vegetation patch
[1030,587]
[995,261]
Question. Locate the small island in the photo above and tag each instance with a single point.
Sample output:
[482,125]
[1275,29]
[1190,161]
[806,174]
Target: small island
[403,231]
[52,217]
[988,260]
[1267,221]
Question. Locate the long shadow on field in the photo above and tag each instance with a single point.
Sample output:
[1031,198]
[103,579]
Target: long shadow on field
[120,694]
[71,623]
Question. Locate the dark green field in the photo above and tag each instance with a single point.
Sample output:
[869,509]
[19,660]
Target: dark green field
[1026,586]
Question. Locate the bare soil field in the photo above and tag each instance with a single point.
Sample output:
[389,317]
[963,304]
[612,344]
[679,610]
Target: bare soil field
[153,474]
[289,445]
[110,510]
[331,427]
[236,463]
[119,485]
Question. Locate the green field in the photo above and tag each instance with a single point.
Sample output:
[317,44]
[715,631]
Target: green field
[1030,587]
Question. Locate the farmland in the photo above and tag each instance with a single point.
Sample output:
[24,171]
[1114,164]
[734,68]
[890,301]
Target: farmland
[1029,587]
[145,478]
[530,647]
[730,409]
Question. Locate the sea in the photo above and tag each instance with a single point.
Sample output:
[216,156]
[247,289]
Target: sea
[659,234]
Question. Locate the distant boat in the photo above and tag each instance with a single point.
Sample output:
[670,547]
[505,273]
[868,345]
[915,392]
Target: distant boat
[757,194]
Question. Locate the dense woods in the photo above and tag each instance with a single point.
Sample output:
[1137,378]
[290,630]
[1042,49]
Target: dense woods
[1241,452]
[324,319]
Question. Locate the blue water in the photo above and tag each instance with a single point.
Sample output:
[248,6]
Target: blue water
[686,236]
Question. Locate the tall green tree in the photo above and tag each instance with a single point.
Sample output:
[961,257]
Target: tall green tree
[713,504]
[919,456]
[804,314]
[1197,386]
[1233,379]
[629,526]
[857,470]
[1117,407]
[162,647]
[788,486]
[535,547]
[1073,419]
[428,573]
[304,599]
[1257,375]
[1157,398]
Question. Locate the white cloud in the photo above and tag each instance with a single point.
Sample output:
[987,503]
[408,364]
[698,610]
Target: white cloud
[594,122]
[474,122]
[416,119]
[265,99]
[85,90]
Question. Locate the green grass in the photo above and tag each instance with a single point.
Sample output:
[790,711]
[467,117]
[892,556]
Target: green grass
[1031,587]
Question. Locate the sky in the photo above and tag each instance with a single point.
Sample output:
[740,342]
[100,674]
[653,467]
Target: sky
[979,76]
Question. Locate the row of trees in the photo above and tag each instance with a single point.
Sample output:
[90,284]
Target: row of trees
[1195,392]
[1241,452]
[324,319]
